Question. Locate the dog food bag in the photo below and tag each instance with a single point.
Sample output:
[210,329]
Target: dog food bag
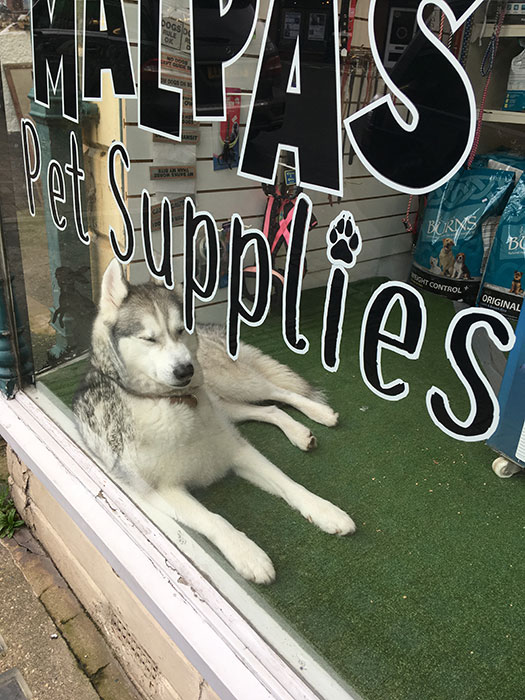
[489,227]
[449,251]
[502,288]
[515,97]
[500,159]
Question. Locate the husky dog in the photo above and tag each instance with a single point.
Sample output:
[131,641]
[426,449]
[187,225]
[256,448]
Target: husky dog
[158,408]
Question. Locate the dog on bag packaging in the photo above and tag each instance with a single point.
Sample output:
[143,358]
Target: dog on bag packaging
[451,232]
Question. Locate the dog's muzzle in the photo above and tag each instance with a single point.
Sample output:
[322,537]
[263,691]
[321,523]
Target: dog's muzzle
[183,373]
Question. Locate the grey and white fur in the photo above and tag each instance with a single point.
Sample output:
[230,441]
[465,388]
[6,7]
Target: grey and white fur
[142,357]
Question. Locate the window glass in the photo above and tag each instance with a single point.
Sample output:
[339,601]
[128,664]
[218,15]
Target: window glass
[265,266]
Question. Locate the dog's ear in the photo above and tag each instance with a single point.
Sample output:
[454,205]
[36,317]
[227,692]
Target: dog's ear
[179,290]
[113,291]
[177,286]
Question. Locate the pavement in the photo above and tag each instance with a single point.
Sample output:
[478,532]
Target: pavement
[50,649]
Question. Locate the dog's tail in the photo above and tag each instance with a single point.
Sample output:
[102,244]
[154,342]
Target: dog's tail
[252,378]
[277,374]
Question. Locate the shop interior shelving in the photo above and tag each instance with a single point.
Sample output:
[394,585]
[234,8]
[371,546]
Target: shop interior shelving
[501,128]
[507,31]
[504,116]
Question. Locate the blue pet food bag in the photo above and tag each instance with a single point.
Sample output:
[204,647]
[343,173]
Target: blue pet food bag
[449,251]
[503,281]
[513,160]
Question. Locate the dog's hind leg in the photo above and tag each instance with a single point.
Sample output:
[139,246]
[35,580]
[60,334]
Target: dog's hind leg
[316,410]
[254,467]
[256,377]
[298,434]
[277,382]
[242,553]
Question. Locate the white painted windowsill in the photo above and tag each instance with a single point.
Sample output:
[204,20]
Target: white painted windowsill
[216,638]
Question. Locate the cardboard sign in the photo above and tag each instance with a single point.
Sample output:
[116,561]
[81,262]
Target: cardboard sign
[177,213]
[175,34]
[187,119]
[171,172]
[189,136]
[176,81]
[172,62]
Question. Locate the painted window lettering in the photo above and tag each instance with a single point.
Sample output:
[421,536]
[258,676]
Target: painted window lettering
[192,288]
[160,106]
[375,338]
[418,155]
[343,247]
[220,34]
[118,148]
[106,50]
[483,417]
[54,44]
[414,156]
[295,104]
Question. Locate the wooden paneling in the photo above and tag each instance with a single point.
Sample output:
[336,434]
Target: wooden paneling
[377,209]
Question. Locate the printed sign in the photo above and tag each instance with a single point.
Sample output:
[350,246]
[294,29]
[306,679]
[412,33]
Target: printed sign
[172,62]
[177,213]
[289,177]
[175,34]
[189,136]
[292,25]
[171,172]
[187,120]
[184,83]
[316,26]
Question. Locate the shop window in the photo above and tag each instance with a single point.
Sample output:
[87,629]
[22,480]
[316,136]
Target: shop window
[369,276]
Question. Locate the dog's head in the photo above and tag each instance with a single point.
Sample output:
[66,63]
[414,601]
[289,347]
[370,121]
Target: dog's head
[460,258]
[517,276]
[448,244]
[143,327]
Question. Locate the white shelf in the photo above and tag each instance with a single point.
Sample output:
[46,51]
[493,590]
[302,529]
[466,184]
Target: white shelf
[500,115]
[507,30]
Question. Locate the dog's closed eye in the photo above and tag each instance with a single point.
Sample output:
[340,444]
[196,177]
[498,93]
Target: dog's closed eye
[148,339]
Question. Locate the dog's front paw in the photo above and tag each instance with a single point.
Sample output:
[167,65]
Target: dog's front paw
[302,438]
[249,559]
[327,517]
[323,414]
[343,240]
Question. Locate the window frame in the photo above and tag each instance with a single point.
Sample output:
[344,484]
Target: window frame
[230,654]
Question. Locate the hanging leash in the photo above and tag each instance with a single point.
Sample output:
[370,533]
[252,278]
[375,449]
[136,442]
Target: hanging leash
[406,221]
[346,29]
[365,63]
[465,42]
[277,224]
[228,156]
[441,26]
[487,64]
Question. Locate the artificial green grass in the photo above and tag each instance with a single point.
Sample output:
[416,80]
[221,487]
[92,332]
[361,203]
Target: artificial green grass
[425,601]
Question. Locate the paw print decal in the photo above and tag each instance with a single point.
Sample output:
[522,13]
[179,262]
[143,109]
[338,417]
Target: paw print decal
[343,241]
[343,245]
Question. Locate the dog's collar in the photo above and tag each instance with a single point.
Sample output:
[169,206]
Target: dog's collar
[188,399]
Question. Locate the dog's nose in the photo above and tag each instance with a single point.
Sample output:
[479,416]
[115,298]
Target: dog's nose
[182,372]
